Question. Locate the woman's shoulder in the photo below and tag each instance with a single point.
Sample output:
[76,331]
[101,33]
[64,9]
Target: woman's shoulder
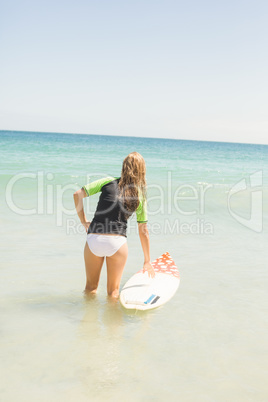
[95,186]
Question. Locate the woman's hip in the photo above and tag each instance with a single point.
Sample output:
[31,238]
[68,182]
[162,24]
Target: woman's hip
[105,245]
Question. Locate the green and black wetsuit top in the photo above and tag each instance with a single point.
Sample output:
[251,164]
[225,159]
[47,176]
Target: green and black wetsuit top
[110,215]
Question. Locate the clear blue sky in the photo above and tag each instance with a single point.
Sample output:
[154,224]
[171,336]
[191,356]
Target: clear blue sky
[176,69]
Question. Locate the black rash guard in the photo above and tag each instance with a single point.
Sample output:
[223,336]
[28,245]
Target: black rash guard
[110,215]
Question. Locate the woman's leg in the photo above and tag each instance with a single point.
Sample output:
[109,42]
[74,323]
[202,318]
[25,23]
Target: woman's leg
[115,266]
[93,266]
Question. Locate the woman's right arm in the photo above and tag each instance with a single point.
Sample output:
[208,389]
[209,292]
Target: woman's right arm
[78,201]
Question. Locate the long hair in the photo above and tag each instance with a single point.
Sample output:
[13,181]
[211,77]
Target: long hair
[132,184]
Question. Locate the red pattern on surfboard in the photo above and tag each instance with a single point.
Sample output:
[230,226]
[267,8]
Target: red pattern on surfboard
[165,265]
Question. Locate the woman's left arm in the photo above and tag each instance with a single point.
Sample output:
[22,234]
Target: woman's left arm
[79,195]
[145,243]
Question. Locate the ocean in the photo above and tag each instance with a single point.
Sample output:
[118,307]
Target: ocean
[207,206]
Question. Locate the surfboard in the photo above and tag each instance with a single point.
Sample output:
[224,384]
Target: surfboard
[144,293]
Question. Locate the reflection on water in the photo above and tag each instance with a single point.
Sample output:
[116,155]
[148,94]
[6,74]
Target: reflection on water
[65,345]
[101,333]
[70,344]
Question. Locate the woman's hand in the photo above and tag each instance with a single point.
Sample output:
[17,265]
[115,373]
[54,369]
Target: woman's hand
[147,266]
[86,225]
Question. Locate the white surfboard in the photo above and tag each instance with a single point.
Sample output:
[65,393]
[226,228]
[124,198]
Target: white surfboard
[144,293]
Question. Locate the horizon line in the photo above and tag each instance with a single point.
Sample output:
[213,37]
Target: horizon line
[129,136]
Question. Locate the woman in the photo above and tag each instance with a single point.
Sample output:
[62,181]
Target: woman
[106,233]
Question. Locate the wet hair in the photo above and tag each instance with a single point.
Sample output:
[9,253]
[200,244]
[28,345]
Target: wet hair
[132,184]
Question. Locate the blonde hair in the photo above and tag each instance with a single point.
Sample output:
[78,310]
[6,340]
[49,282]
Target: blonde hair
[132,184]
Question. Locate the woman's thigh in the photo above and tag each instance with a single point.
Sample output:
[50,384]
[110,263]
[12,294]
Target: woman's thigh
[93,265]
[115,266]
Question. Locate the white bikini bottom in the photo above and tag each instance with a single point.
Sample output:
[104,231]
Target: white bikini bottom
[105,245]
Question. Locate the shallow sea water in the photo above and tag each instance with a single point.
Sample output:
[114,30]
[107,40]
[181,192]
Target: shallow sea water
[208,343]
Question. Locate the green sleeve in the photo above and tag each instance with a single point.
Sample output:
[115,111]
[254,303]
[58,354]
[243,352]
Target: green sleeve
[96,186]
[141,211]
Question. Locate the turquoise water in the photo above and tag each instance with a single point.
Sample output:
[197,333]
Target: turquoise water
[206,344]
